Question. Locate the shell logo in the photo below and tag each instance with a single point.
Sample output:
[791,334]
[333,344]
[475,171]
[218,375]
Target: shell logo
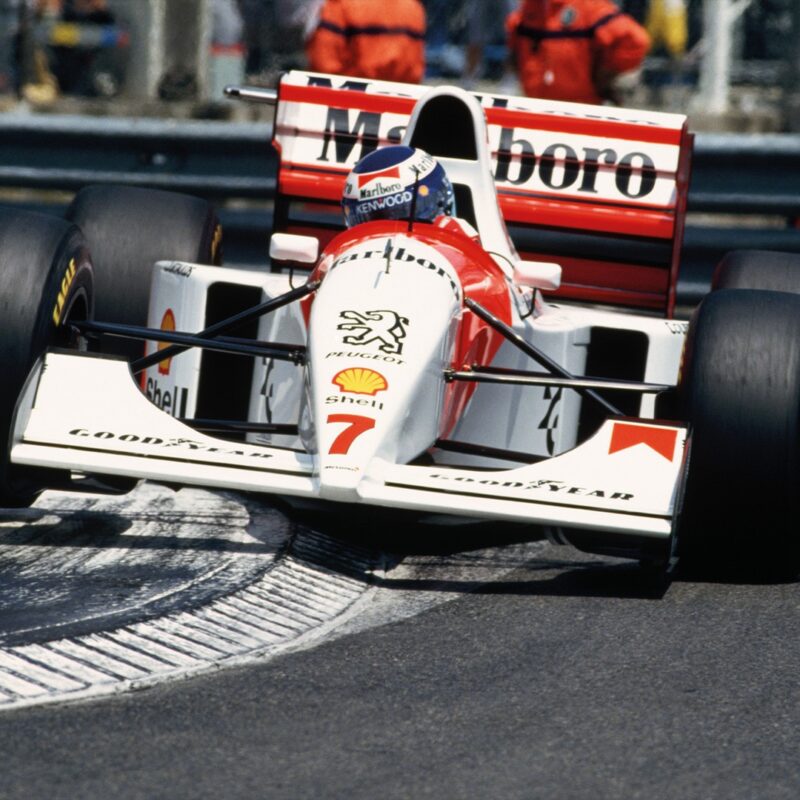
[360,380]
[167,324]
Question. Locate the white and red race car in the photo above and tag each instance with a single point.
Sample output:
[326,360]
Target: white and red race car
[529,370]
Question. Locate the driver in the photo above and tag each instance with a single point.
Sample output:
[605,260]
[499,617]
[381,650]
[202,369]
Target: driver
[384,183]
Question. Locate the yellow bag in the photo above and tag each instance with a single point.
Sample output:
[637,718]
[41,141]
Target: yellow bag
[667,25]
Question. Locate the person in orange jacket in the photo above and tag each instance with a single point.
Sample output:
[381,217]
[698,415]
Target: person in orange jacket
[573,49]
[368,39]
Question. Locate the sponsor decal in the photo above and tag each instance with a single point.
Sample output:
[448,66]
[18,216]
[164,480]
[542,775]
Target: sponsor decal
[355,426]
[548,487]
[368,356]
[360,380]
[268,389]
[625,435]
[401,254]
[167,324]
[488,100]
[366,128]
[549,422]
[172,401]
[391,172]
[334,399]
[387,328]
[179,268]
[327,83]
[344,137]
[557,165]
[158,441]
[634,173]
[677,328]
[392,200]
[381,189]
[66,283]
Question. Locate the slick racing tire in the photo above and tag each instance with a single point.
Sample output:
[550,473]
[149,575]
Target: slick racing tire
[758,269]
[46,281]
[128,230]
[740,389]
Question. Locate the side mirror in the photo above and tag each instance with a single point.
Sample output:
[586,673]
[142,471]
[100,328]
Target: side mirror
[291,247]
[538,274]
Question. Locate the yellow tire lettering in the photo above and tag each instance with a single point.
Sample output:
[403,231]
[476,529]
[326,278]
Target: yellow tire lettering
[215,243]
[66,283]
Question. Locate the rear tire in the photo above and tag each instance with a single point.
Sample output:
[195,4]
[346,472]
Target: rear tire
[45,281]
[741,393]
[758,269]
[128,230]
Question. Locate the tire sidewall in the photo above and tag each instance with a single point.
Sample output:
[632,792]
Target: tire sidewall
[740,391]
[65,292]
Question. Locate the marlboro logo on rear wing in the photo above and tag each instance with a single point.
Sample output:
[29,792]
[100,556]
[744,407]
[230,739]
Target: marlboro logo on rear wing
[600,190]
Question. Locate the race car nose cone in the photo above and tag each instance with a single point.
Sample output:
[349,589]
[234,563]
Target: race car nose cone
[376,355]
[340,483]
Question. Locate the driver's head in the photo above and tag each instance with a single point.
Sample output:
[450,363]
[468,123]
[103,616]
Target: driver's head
[382,186]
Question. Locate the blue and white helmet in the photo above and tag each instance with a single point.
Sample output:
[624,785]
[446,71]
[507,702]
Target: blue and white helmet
[382,186]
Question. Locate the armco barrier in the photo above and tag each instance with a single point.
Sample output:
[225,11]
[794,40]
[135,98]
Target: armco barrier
[733,174]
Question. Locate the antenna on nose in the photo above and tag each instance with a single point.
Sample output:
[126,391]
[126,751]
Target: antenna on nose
[413,212]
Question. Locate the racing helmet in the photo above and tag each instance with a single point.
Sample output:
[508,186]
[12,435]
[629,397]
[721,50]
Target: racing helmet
[383,184]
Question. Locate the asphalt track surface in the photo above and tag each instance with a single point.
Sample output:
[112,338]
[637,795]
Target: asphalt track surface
[478,666]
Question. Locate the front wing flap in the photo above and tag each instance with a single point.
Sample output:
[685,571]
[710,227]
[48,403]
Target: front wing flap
[85,413]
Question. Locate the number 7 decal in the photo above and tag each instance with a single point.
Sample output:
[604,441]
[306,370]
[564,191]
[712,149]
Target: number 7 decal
[356,425]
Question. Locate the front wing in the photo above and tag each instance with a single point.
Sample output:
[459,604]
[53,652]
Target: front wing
[84,413]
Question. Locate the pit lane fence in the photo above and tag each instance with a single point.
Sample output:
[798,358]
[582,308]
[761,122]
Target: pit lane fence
[744,190]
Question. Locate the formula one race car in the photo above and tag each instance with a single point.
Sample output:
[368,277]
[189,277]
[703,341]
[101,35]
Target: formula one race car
[523,366]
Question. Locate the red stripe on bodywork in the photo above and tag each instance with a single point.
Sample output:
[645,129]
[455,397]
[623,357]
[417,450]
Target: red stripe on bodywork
[625,277]
[505,117]
[558,213]
[347,98]
[603,128]
[629,285]
[612,297]
[298,183]
[518,207]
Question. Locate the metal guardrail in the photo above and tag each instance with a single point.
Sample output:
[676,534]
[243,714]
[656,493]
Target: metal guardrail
[735,174]
[218,160]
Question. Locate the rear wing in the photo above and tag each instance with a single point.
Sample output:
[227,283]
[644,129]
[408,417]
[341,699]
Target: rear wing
[600,190]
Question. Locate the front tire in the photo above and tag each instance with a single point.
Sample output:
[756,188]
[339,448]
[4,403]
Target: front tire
[46,281]
[740,389]
[128,230]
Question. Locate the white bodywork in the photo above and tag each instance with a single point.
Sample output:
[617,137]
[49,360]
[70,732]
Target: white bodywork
[371,400]
[66,420]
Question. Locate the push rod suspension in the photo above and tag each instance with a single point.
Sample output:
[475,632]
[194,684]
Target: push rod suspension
[479,374]
[244,347]
[229,324]
[487,452]
[537,355]
[237,426]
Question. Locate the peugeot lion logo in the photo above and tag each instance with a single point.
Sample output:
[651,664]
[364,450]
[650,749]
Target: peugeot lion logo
[385,327]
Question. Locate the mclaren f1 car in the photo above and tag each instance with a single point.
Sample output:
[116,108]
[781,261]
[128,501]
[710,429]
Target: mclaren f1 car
[525,366]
